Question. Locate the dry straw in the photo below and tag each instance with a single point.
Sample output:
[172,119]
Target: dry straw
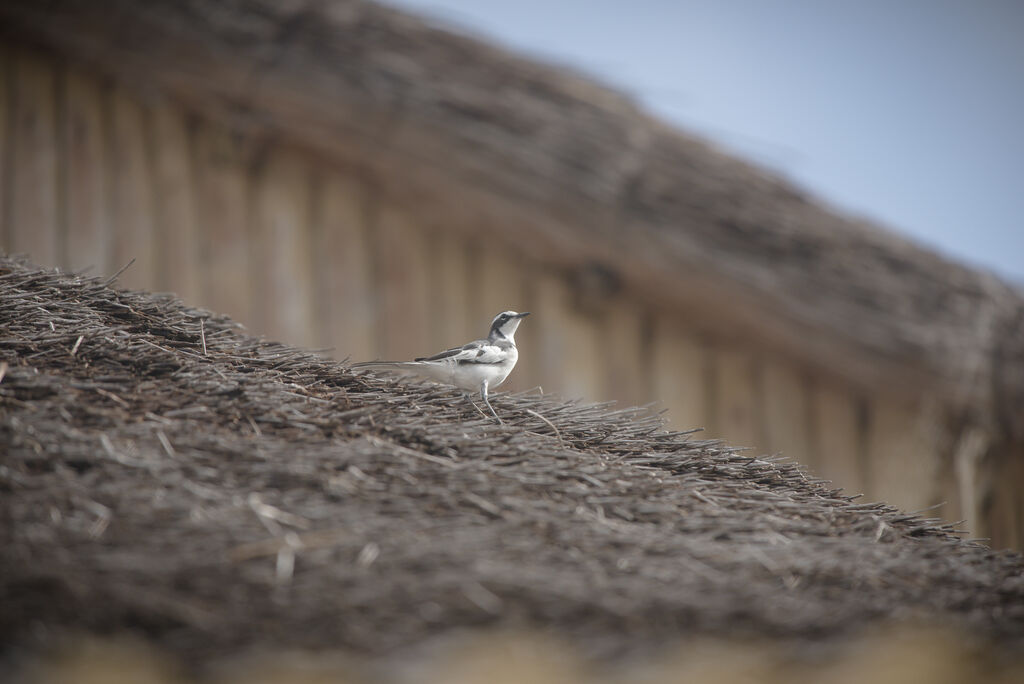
[164,472]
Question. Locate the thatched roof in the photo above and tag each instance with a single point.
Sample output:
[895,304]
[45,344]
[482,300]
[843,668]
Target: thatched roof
[164,472]
[577,169]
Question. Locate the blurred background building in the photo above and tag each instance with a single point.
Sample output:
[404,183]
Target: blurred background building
[342,175]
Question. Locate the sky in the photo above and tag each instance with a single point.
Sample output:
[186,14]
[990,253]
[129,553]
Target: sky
[907,112]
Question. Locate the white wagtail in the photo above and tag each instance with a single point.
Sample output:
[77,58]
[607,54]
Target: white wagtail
[478,365]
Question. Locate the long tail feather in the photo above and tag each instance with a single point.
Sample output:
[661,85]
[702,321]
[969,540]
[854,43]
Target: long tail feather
[383,364]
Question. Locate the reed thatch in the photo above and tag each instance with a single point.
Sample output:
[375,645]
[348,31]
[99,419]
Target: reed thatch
[165,473]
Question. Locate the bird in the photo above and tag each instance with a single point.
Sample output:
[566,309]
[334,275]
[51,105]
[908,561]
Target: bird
[479,365]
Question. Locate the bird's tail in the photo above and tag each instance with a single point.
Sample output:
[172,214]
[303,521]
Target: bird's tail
[441,372]
[383,365]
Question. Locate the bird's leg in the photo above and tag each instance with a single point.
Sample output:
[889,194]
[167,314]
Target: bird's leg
[483,395]
[469,398]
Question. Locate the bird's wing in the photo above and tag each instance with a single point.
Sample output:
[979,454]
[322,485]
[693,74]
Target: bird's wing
[480,351]
[448,354]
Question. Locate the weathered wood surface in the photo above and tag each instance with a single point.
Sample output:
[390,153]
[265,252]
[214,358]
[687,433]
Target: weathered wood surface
[838,434]
[131,191]
[222,195]
[34,208]
[89,241]
[5,139]
[737,410]
[681,376]
[177,239]
[569,342]
[899,453]
[359,81]
[404,297]
[345,293]
[453,285]
[497,283]
[625,334]
[282,266]
[786,411]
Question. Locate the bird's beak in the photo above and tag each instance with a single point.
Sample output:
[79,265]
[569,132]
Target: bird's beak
[523,315]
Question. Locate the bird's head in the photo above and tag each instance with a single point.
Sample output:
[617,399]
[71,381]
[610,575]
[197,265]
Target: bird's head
[504,325]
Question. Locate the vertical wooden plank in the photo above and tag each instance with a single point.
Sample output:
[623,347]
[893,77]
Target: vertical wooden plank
[89,243]
[902,466]
[738,419]
[403,282]
[785,411]
[626,354]
[551,343]
[582,356]
[282,273]
[33,213]
[948,490]
[837,438]
[529,370]
[221,193]
[131,191]
[176,220]
[6,134]
[500,283]
[678,370]
[343,263]
[454,319]
[1004,512]
[968,453]
[947,434]
[570,354]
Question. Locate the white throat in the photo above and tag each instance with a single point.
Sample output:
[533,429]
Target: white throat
[508,332]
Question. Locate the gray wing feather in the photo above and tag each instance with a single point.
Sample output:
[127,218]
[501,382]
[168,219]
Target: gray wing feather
[454,351]
[488,353]
[446,354]
[480,351]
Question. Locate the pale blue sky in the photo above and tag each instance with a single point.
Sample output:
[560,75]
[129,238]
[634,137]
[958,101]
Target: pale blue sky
[908,112]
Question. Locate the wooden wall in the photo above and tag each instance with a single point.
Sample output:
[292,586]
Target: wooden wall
[310,252]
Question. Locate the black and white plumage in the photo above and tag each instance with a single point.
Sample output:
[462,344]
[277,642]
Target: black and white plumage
[480,365]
